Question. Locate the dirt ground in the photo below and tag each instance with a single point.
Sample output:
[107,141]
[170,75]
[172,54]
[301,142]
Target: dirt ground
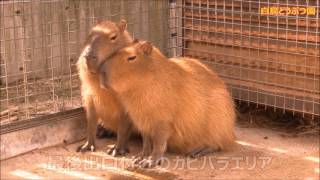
[260,154]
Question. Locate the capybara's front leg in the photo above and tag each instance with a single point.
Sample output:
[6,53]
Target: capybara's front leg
[146,149]
[159,146]
[123,135]
[89,145]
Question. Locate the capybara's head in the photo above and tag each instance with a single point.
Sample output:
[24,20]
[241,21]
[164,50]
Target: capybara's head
[104,40]
[127,66]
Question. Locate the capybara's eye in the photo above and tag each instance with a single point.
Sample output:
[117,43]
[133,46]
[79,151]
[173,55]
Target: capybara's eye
[131,58]
[113,37]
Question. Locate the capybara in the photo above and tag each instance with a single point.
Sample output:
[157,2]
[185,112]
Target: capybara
[100,104]
[177,104]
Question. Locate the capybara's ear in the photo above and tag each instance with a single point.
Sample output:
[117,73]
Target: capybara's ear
[146,47]
[122,25]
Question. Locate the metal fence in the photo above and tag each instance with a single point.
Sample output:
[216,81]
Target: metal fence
[42,39]
[267,51]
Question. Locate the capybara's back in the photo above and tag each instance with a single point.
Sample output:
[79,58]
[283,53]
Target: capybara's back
[206,113]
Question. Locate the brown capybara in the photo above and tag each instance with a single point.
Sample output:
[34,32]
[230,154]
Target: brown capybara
[177,103]
[100,104]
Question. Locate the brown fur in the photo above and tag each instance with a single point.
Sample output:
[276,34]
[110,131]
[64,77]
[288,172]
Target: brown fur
[179,101]
[101,103]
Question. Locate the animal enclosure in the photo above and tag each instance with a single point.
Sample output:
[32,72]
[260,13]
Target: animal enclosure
[42,40]
[267,51]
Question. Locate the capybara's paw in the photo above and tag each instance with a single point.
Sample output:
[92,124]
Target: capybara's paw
[86,147]
[136,160]
[149,162]
[103,132]
[115,151]
[140,156]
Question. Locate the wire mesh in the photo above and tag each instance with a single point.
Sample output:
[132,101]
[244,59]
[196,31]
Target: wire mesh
[41,42]
[267,51]
[265,55]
